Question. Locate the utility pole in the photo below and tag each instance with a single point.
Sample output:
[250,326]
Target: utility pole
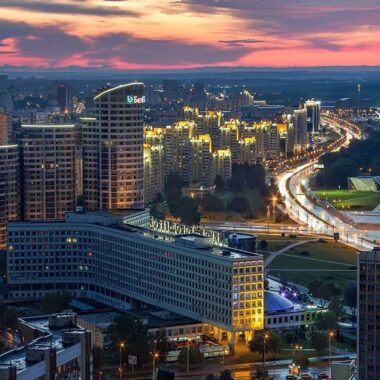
[358,113]
[188,356]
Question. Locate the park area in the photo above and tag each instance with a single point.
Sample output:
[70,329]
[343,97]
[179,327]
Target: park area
[350,199]
[314,259]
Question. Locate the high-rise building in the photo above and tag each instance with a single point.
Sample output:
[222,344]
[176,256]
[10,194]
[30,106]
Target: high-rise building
[113,156]
[48,170]
[5,128]
[300,126]
[247,151]
[177,148]
[9,188]
[368,315]
[189,113]
[154,162]
[229,137]
[64,98]
[313,109]
[201,170]
[209,123]
[223,163]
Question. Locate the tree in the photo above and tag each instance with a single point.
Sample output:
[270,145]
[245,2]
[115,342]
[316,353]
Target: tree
[125,329]
[98,358]
[10,318]
[350,297]
[263,244]
[159,343]
[273,343]
[319,341]
[55,302]
[219,183]
[335,306]
[173,187]
[239,204]
[323,291]
[226,375]
[210,202]
[187,210]
[195,356]
[326,321]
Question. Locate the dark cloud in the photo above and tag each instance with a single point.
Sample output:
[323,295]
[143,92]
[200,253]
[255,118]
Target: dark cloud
[67,8]
[295,17]
[159,52]
[44,41]
[241,42]
[54,45]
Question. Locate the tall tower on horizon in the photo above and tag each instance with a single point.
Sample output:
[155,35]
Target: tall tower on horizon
[113,150]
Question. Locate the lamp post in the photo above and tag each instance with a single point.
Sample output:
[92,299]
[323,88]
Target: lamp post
[121,347]
[265,338]
[331,335]
[274,202]
[188,356]
[154,357]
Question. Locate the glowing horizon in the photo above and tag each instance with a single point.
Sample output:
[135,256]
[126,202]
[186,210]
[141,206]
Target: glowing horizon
[180,34]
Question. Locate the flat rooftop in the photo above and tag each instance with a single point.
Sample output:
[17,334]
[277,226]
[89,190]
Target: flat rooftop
[120,219]
[151,318]
[52,338]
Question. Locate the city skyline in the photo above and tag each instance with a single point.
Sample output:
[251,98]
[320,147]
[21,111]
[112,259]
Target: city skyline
[150,35]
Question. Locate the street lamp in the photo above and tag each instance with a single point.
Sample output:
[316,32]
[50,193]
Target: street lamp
[265,338]
[154,357]
[121,347]
[331,335]
[274,202]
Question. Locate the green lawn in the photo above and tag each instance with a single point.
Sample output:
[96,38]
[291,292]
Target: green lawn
[327,250]
[349,199]
[302,265]
[277,242]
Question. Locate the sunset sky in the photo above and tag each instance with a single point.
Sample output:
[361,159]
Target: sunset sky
[156,34]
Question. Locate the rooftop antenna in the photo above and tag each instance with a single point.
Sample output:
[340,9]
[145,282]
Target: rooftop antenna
[358,100]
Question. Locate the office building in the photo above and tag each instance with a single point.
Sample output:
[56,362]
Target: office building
[48,170]
[53,347]
[9,188]
[113,156]
[64,98]
[313,110]
[300,126]
[368,315]
[128,260]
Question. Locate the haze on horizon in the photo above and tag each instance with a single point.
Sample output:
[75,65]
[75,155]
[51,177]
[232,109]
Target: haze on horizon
[179,34]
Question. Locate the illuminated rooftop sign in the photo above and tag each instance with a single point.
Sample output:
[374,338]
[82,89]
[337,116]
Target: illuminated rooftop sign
[135,99]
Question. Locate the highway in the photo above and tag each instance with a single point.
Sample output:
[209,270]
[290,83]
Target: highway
[319,219]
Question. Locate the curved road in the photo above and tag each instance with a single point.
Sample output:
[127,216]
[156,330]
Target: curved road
[320,220]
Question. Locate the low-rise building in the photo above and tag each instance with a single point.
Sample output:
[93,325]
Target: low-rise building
[53,347]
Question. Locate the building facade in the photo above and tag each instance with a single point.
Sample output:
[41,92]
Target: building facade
[100,256]
[113,164]
[368,316]
[48,170]
[9,188]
